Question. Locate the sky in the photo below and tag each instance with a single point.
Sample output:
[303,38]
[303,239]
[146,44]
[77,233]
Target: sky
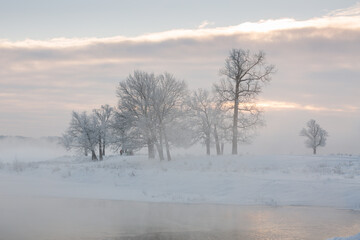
[59,56]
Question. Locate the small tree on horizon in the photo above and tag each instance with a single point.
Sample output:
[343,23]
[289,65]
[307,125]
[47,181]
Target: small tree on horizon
[315,135]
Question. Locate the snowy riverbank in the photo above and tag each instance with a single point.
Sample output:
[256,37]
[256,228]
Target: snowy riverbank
[321,181]
[331,181]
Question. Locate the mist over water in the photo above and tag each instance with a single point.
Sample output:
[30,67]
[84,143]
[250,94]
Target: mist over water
[23,149]
[59,218]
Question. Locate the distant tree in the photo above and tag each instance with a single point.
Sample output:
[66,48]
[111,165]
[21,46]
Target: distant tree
[204,111]
[209,120]
[135,111]
[125,136]
[103,118]
[82,133]
[167,100]
[222,127]
[149,107]
[315,135]
[180,132]
[244,74]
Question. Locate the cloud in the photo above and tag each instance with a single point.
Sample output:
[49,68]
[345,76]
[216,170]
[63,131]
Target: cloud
[341,19]
[205,24]
[317,62]
[350,11]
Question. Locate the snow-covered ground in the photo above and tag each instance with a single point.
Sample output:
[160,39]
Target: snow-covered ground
[284,180]
[332,181]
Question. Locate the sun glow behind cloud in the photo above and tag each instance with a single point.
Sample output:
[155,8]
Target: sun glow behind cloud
[278,105]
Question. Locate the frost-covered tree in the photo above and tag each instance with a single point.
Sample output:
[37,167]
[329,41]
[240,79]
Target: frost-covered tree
[244,74]
[103,118]
[149,106]
[167,100]
[204,111]
[210,120]
[222,128]
[180,132]
[125,135]
[82,133]
[315,135]
[135,109]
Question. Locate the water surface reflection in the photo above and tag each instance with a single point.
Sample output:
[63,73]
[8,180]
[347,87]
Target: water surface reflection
[54,218]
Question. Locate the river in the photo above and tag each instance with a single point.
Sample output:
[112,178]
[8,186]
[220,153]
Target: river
[74,219]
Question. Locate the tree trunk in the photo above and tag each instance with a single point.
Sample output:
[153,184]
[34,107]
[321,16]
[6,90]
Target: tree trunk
[168,155]
[207,143]
[100,149]
[160,151]
[235,131]
[103,148]
[159,145]
[314,150]
[222,148]
[216,136]
[93,155]
[85,152]
[235,120]
[151,149]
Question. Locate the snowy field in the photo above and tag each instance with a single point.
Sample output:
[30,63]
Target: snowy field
[331,181]
[285,180]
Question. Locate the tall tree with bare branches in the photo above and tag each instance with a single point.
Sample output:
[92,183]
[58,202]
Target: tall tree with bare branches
[245,74]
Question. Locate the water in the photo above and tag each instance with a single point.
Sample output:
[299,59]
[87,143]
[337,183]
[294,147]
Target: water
[75,219]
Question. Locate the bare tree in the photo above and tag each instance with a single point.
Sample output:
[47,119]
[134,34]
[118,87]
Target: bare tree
[315,135]
[135,98]
[222,127]
[147,106]
[167,101]
[244,74]
[210,120]
[82,134]
[103,117]
[125,135]
[204,110]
